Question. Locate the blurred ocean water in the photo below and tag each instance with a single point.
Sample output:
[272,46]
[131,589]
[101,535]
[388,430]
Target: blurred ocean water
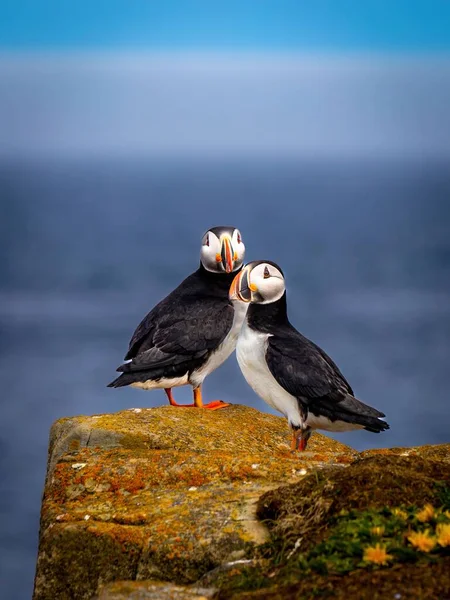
[89,247]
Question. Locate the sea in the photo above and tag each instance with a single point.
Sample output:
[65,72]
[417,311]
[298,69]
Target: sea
[89,246]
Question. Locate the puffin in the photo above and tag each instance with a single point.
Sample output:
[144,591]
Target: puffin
[194,329]
[286,369]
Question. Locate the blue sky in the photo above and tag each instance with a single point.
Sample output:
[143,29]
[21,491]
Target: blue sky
[211,78]
[416,26]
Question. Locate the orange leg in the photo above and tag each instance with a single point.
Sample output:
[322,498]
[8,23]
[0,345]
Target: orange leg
[198,401]
[302,443]
[300,439]
[172,401]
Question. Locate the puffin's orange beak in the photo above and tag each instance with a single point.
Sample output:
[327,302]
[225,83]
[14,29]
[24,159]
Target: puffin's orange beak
[240,288]
[227,255]
[234,288]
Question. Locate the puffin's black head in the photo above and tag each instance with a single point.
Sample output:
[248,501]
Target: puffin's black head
[259,282]
[222,250]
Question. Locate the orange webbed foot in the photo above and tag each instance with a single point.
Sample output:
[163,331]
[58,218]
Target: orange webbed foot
[216,404]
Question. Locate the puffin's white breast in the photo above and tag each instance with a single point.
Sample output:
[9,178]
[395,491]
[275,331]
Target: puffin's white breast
[223,351]
[251,355]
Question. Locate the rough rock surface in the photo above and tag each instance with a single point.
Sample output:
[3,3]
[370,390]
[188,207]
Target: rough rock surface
[162,493]
[394,502]
[152,590]
[305,509]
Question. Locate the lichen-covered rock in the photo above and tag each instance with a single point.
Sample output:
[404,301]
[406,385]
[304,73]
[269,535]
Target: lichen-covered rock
[423,581]
[437,452]
[163,493]
[378,529]
[152,590]
[304,510]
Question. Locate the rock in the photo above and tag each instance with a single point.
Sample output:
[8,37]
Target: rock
[401,582]
[152,590]
[306,508]
[164,493]
[438,452]
[321,528]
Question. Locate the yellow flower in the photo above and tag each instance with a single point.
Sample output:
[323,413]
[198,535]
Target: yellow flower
[443,534]
[422,541]
[401,514]
[377,531]
[447,514]
[426,514]
[376,554]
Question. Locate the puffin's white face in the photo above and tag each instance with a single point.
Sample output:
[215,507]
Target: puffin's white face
[259,282]
[222,250]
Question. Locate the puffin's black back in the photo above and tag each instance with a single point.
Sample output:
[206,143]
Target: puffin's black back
[211,288]
[181,332]
[306,372]
[272,319]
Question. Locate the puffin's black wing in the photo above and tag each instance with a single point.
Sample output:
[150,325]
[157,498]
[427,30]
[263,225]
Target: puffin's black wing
[143,336]
[177,339]
[308,373]
[302,368]
[191,329]
[199,295]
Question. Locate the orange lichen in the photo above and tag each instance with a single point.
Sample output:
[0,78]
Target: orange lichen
[178,485]
[74,445]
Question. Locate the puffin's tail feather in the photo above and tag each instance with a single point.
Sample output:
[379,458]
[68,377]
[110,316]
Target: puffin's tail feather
[352,410]
[363,414]
[373,424]
[356,407]
[128,378]
[119,382]
[377,426]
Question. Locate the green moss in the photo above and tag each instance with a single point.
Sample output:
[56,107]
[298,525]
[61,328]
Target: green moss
[443,493]
[340,527]
[343,548]
[406,581]
[342,552]
[307,508]
[242,579]
[88,556]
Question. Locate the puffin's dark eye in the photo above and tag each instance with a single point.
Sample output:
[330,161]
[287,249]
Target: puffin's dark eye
[239,239]
[266,273]
[206,240]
